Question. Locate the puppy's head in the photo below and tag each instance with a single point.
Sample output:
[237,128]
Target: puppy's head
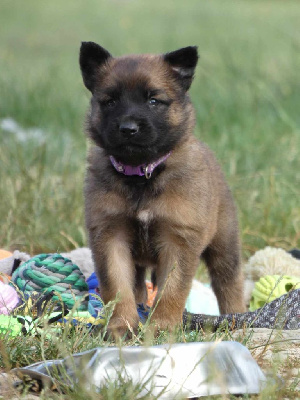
[140,108]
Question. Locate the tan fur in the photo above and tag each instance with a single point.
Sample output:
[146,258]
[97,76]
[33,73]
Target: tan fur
[193,215]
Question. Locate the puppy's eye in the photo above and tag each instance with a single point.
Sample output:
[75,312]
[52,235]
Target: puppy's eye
[110,103]
[107,103]
[153,102]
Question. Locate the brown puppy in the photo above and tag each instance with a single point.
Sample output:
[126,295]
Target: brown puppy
[155,196]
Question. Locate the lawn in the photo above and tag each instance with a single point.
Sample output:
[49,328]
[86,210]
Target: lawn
[246,93]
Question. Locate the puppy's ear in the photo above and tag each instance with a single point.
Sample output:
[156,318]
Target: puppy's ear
[92,56]
[183,62]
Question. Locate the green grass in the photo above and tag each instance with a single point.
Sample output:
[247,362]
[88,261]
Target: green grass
[246,94]
[47,343]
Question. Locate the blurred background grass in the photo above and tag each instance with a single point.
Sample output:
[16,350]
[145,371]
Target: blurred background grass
[246,94]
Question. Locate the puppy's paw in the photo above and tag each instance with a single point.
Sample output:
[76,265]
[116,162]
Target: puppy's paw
[160,323]
[119,328]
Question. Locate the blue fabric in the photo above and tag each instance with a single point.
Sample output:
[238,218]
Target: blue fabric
[95,305]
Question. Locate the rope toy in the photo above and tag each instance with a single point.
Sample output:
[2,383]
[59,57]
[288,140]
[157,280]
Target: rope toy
[52,272]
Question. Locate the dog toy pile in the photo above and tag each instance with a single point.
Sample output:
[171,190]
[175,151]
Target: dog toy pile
[52,272]
[275,299]
[46,285]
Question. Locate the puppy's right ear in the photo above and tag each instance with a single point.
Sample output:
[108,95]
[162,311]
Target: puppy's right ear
[92,56]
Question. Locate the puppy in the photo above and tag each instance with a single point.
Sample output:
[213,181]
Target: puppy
[155,196]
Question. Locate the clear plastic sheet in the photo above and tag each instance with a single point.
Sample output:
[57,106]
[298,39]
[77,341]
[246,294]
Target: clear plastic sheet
[183,370]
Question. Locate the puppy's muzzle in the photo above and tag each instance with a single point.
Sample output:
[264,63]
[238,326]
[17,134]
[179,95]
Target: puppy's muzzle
[128,129]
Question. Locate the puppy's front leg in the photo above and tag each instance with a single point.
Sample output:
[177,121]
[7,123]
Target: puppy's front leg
[116,272]
[174,277]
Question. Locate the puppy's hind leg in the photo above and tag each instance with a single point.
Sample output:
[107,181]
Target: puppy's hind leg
[222,258]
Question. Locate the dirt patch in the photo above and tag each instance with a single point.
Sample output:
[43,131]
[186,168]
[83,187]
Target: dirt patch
[276,351]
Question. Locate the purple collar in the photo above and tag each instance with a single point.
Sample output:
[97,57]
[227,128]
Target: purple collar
[141,170]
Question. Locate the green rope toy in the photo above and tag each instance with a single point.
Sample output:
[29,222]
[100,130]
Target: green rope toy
[52,272]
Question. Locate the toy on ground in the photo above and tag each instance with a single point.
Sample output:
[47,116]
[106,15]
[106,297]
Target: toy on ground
[14,325]
[95,304]
[201,299]
[83,258]
[4,278]
[270,287]
[56,277]
[83,317]
[4,254]
[272,261]
[11,261]
[151,293]
[39,308]
[281,313]
[52,272]
[8,298]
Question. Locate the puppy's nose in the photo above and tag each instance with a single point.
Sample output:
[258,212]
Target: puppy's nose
[129,128]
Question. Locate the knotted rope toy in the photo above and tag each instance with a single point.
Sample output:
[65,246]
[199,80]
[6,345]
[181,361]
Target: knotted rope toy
[52,272]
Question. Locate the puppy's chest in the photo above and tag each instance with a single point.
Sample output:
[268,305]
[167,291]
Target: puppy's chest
[144,217]
[145,231]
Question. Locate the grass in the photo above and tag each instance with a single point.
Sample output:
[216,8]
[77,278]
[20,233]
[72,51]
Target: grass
[246,94]
[47,344]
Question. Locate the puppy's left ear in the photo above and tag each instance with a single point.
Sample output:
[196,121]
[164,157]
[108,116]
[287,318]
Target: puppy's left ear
[183,62]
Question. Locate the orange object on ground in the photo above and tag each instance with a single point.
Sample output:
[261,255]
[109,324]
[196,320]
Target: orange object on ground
[5,254]
[151,293]
[4,277]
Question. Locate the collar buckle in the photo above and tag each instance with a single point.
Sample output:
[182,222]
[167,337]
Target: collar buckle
[147,172]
